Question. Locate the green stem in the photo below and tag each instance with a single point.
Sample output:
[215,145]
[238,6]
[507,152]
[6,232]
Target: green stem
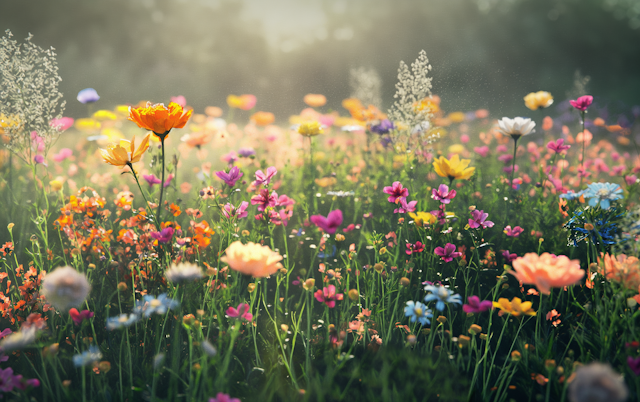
[162,137]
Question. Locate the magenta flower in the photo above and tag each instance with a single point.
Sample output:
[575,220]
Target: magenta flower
[508,257]
[515,232]
[476,306]
[483,151]
[505,158]
[62,123]
[241,312]
[223,398]
[264,199]
[231,177]
[230,158]
[151,179]
[418,247]
[328,296]
[164,236]
[330,223]
[168,180]
[443,194]
[62,155]
[9,381]
[448,253]
[405,206]
[582,103]
[5,332]
[230,211]
[78,317]
[557,147]
[262,178]
[631,180]
[39,159]
[284,200]
[396,191]
[479,220]
[634,364]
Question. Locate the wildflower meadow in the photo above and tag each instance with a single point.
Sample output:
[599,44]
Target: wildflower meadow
[158,252]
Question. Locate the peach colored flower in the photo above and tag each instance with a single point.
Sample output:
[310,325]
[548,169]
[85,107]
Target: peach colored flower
[315,100]
[546,271]
[252,259]
[622,269]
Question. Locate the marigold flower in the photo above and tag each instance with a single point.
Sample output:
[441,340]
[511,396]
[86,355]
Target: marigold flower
[252,259]
[125,153]
[159,118]
[546,271]
[454,168]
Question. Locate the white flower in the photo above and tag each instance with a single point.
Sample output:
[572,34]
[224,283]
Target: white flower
[18,340]
[208,348]
[88,356]
[121,321]
[65,288]
[183,272]
[516,127]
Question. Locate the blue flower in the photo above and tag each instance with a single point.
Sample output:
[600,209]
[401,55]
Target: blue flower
[603,194]
[383,127]
[418,311]
[322,254]
[88,95]
[121,321]
[88,356]
[572,195]
[442,295]
[150,305]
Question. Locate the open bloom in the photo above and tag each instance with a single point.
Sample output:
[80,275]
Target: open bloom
[241,312]
[423,218]
[582,103]
[536,100]
[328,296]
[515,307]
[329,224]
[122,321]
[603,194]
[150,305]
[78,317]
[546,271]
[65,288]
[252,259]
[265,199]
[230,211]
[310,129]
[441,295]
[418,312]
[418,247]
[443,194]
[448,253]
[517,127]
[231,177]
[159,118]
[476,306]
[454,168]
[125,152]
[622,269]
[223,398]
[183,272]
[265,178]
[557,146]
[479,220]
[405,206]
[88,356]
[88,95]
[515,232]
[396,191]
[164,236]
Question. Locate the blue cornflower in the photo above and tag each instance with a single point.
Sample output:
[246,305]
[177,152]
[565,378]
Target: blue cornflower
[572,195]
[150,305]
[442,295]
[418,311]
[88,95]
[603,194]
[88,356]
[121,321]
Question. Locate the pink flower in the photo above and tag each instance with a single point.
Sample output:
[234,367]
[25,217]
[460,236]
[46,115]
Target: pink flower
[223,398]
[328,296]
[396,191]
[479,220]
[230,211]
[180,100]
[515,232]
[582,103]
[404,206]
[448,253]
[284,201]
[330,223]
[418,247]
[151,179]
[631,180]
[476,306]
[443,194]
[62,155]
[557,147]
[78,317]
[241,312]
[264,199]
[508,257]
[231,177]
[230,158]
[164,236]
[168,180]
[262,178]
[62,123]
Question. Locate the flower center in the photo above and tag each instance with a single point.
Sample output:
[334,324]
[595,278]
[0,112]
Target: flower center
[417,310]
[155,303]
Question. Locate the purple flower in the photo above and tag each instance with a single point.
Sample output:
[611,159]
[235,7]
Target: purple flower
[230,211]
[231,177]
[264,199]
[39,159]
[88,95]
[164,236]
[634,364]
[515,232]
[557,147]
[151,179]
[479,220]
[448,253]
[404,206]
[443,194]
[505,158]
[396,191]
[230,158]
[582,103]
[223,398]
[476,306]
[330,223]
[384,127]
[246,152]
[168,180]
[5,332]
[508,257]
[262,178]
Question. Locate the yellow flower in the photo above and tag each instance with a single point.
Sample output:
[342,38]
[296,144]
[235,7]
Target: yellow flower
[422,218]
[456,149]
[102,115]
[515,307]
[125,152]
[456,117]
[455,168]
[536,100]
[87,125]
[326,181]
[56,185]
[8,122]
[310,129]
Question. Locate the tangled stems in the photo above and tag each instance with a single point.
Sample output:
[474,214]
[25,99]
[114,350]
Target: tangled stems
[135,176]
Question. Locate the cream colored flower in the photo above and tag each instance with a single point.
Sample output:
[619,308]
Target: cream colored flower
[65,288]
[252,259]
[183,272]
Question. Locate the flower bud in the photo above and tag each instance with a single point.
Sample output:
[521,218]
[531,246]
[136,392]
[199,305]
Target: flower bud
[104,366]
[475,329]
[379,267]
[550,364]
[441,319]
[353,294]
[251,287]
[404,281]
[309,284]
[412,339]
[516,356]
[340,237]
[122,287]
[188,319]
[463,341]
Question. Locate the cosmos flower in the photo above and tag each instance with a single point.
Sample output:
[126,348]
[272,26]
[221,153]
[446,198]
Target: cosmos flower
[536,100]
[515,232]
[546,271]
[151,179]
[443,194]
[582,103]
[328,296]
[78,317]
[65,288]
[88,95]
[476,306]
[441,296]
[329,224]
[231,177]
[159,118]
[405,206]
[603,194]
[448,253]
[395,191]
[241,312]
[230,211]
[183,272]
[125,153]
[517,127]
[164,236]
[418,312]
[479,220]
[454,168]
[265,199]
[557,146]
[265,178]
[252,259]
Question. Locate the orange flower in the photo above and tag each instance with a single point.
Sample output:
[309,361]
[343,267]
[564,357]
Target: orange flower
[252,259]
[263,118]
[175,210]
[546,271]
[197,139]
[315,100]
[622,269]
[159,118]
[201,241]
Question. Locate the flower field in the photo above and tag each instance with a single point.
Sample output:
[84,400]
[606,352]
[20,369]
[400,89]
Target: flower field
[158,252]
